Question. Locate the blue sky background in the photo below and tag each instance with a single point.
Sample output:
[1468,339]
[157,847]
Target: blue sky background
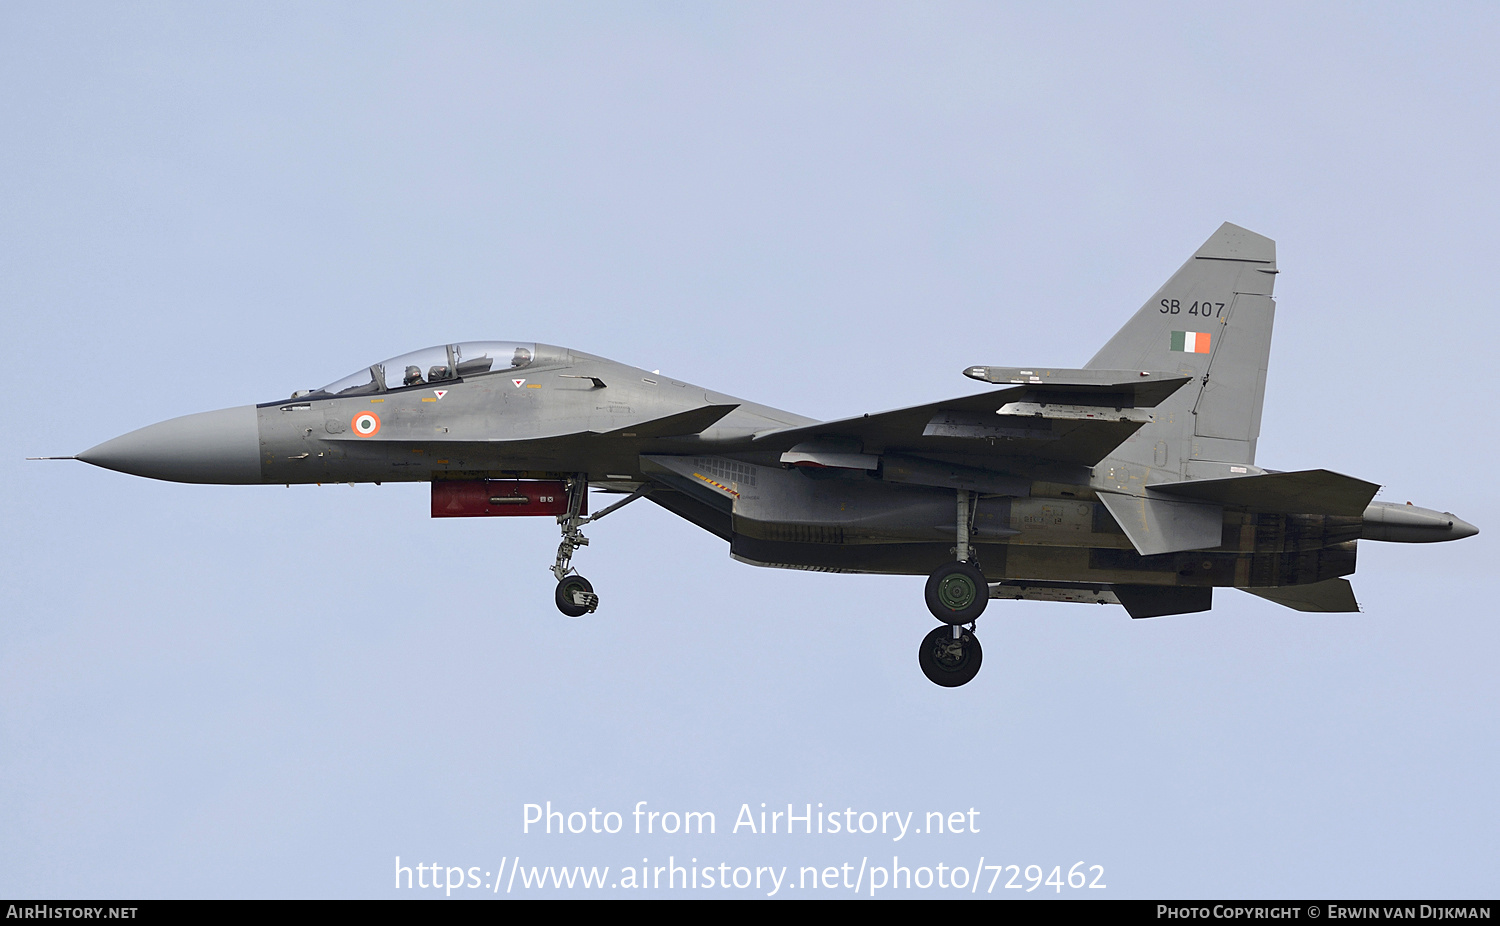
[830,208]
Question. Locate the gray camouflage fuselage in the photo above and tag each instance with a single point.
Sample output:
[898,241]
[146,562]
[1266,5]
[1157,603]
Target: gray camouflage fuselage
[1129,481]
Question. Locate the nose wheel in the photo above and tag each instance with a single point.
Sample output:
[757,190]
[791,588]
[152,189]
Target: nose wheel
[575,596]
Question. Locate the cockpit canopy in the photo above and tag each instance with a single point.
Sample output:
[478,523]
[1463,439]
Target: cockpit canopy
[432,365]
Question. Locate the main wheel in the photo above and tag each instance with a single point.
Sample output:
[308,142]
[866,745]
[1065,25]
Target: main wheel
[950,661]
[570,590]
[957,593]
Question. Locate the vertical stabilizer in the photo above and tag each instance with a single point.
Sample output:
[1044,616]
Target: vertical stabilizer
[1212,321]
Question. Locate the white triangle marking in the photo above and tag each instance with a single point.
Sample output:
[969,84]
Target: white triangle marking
[440,392]
[519,382]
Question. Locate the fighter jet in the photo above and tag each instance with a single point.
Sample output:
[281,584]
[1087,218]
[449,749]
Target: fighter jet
[1129,481]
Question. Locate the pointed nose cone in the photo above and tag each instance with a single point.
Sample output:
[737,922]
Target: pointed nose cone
[220,447]
[1462,528]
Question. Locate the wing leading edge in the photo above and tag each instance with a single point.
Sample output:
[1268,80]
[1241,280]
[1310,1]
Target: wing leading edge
[1071,416]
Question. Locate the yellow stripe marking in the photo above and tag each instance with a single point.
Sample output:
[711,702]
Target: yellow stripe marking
[717,485]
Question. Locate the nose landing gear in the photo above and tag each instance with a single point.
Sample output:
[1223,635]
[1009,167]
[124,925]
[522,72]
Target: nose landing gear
[575,595]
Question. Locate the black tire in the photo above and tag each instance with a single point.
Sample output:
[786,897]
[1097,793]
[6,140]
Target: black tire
[957,593]
[564,595]
[947,661]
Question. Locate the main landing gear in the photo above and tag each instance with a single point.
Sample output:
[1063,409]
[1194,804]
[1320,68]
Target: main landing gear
[950,655]
[575,595]
[957,593]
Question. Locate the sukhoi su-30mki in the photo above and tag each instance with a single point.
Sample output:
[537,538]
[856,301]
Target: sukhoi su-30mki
[1130,481]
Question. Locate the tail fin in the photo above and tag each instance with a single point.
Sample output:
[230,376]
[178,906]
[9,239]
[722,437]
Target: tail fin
[1212,321]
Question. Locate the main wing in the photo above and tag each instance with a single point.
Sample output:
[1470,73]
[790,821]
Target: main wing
[1054,416]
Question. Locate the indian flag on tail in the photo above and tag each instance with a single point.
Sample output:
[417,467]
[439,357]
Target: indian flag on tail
[1192,342]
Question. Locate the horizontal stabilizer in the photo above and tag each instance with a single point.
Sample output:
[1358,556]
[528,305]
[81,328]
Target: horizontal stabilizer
[1157,524]
[1118,388]
[679,425]
[1161,600]
[1313,491]
[1330,596]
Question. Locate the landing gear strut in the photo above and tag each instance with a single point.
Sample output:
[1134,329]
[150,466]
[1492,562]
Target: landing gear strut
[575,595]
[957,593]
